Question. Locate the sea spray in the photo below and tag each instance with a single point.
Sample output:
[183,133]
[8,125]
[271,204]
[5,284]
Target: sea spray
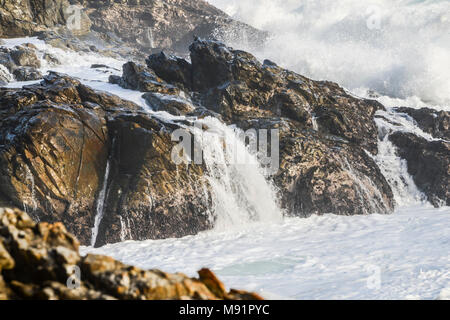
[398,48]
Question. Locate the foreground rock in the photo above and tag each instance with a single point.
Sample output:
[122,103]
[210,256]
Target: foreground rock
[41,261]
[70,154]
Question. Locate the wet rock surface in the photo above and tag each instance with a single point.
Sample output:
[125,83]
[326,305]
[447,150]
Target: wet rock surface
[424,148]
[41,261]
[122,28]
[436,123]
[69,153]
[56,141]
[20,63]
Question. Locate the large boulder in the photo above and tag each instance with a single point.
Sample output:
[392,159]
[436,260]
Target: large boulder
[56,140]
[20,63]
[41,261]
[138,77]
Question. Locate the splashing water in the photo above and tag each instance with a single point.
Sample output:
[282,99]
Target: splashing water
[395,169]
[398,48]
[241,193]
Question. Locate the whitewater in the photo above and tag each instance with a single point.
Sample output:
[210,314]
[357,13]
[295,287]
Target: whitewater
[405,255]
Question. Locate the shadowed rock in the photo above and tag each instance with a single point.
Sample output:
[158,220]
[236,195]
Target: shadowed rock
[436,123]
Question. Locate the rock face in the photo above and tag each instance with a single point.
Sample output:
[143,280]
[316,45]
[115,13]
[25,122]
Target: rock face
[129,27]
[20,63]
[428,160]
[59,272]
[58,138]
[162,24]
[326,134]
[24,18]
[436,123]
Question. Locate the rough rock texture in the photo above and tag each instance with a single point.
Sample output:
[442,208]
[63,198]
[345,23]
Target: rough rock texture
[121,28]
[24,18]
[428,164]
[164,24]
[436,123]
[56,139]
[41,261]
[19,63]
[325,132]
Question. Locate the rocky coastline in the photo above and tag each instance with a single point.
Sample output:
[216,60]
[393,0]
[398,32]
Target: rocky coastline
[69,152]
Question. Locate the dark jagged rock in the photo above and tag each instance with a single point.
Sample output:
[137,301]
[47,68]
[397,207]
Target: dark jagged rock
[162,24]
[172,104]
[59,272]
[325,132]
[25,57]
[27,74]
[137,77]
[148,196]
[428,164]
[436,123]
[55,141]
[172,69]
[22,62]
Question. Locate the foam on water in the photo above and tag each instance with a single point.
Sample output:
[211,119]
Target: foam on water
[322,257]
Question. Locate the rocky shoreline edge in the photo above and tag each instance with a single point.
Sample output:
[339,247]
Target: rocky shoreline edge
[40,261]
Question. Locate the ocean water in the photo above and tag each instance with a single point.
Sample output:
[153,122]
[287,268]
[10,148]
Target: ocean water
[405,255]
